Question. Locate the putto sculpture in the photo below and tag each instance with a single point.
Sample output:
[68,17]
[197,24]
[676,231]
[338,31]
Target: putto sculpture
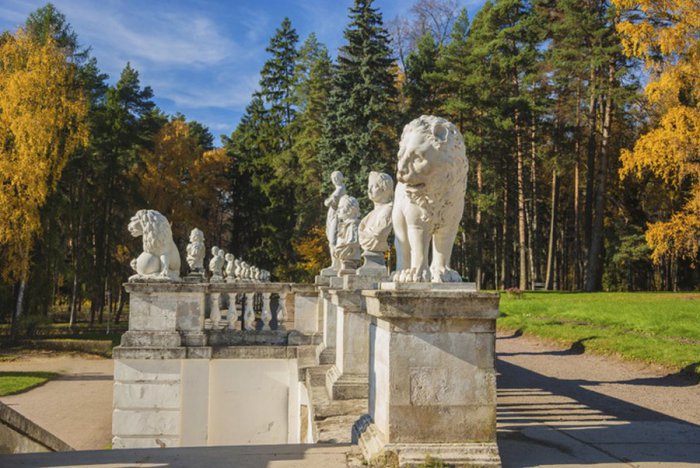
[375,228]
[196,251]
[216,265]
[429,200]
[332,221]
[347,246]
[160,259]
[230,267]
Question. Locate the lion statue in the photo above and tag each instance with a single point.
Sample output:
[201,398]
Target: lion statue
[429,199]
[160,258]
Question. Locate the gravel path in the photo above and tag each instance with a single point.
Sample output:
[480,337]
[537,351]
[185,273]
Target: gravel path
[77,406]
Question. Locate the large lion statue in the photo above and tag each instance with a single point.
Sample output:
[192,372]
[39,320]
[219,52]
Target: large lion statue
[429,199]
[160,258]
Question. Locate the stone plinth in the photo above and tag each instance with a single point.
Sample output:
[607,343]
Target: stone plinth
[432,377]
[348,379]
[306,316]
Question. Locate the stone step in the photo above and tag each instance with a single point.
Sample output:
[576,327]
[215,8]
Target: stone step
[317,375]
[336,429]
[330,408]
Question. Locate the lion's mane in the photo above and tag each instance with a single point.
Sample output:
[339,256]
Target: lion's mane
[434,199]
[156,231]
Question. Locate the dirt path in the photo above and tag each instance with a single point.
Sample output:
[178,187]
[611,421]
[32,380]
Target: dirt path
[76,407]
[557,406]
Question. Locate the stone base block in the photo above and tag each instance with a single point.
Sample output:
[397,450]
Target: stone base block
[144,442]
[194,339]
[468,454]
[321,280]
[350,387]
[327,356]
[151,339]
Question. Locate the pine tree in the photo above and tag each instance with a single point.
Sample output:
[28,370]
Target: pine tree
[422,97]
[359,132]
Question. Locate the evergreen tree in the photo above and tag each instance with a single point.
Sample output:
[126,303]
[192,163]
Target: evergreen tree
[359,132]
[422,97]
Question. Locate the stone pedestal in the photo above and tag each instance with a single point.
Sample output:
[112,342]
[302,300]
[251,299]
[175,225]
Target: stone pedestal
[329,315]
[374,264]
[305,309]
[432,378]
[348,378]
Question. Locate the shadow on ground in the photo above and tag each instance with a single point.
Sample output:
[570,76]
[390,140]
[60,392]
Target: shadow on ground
[549,421]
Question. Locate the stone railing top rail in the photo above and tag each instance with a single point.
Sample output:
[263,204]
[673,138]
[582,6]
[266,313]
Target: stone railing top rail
[237,287]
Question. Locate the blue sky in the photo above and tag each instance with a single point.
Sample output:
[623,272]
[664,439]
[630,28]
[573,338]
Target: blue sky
[201,57]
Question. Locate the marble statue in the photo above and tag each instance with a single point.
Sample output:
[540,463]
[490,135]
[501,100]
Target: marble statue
[230,267]
[216,264]
[429,200]
[196,251]
[236,269]
[347,246]
[332,221]
[160,259]
[375,228]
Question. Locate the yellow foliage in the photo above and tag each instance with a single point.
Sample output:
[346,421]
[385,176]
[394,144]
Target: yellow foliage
[313,250]
[42,121]
[181,180]
[666,35]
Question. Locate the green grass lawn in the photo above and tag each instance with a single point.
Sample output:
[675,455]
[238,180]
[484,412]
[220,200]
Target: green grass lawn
[661,328]
[18,382]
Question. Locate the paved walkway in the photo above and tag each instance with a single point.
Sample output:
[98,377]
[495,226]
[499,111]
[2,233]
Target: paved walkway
[556,407]
[77,406]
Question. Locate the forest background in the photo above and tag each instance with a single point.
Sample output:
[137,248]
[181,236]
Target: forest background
[581,121]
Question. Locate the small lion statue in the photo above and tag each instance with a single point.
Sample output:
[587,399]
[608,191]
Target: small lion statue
[160,259]
[429,199]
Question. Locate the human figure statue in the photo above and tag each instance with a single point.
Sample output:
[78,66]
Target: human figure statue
[216,264]
[230,267]
[374,228]
[195,251]
[238,271]
[332,221]
[347,247]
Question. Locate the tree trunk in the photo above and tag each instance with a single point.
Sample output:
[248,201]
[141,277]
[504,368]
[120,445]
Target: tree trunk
[522,248]
[590,169]
[478,257]
[549,279]
[535,271]
[504,238]
[594,270]
[578,266]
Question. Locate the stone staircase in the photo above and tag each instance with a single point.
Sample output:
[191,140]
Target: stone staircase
[333,419]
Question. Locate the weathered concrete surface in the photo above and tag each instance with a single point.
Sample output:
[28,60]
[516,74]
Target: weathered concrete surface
[261,456]
[76,407]
[558,407]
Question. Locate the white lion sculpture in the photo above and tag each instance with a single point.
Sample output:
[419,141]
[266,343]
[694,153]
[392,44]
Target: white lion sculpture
[429,199]
[160,258]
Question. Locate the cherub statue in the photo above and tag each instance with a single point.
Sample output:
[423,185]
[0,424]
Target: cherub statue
[332,221]
[216,264]
[238,271]
[196,251]
[347,247]
[230,267]
[374,228]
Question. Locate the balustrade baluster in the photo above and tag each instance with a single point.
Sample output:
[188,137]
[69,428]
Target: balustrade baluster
[215,313]
[266,314]
[232,312]
[249,315]
[282,311]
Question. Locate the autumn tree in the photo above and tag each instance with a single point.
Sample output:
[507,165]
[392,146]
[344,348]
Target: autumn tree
[666,35]
[42,121]
[182,179]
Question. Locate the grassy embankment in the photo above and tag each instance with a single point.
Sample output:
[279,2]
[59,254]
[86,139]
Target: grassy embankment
[660,328]
[18,382]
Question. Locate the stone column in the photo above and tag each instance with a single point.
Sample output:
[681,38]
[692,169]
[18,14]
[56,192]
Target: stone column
[432,378]
[329,326]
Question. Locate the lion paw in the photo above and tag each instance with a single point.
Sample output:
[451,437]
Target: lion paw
[412,275]
[445,275]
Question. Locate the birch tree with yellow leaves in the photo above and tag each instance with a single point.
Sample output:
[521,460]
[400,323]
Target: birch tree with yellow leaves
[666,35]
[42,120]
